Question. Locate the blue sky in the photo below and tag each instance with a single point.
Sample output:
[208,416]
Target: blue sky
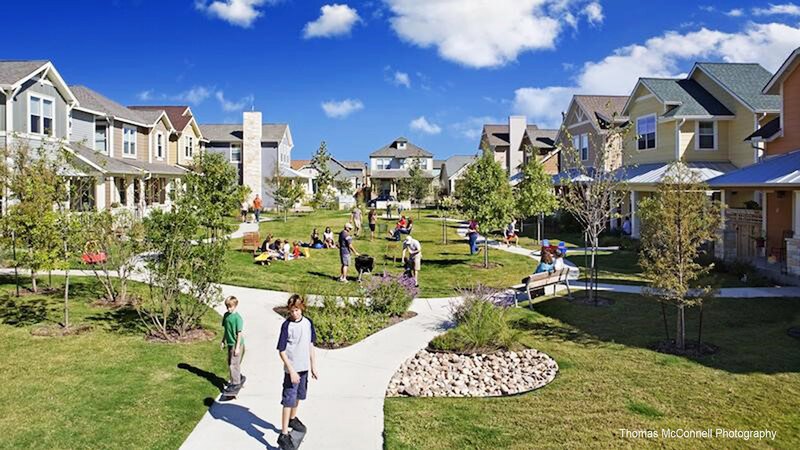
[357,74]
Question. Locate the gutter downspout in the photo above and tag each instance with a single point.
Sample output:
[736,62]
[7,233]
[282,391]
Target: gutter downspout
[678,125]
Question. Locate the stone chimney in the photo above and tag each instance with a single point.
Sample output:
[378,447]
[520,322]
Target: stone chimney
[251,153]
[516,131]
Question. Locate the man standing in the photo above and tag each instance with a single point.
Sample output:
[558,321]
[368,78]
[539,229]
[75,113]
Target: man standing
[414,261]
[356,219]
[345,249]
[257,207]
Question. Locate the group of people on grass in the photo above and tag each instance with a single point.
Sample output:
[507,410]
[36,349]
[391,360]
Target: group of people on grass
[278,250]
[403,226]
[296,351]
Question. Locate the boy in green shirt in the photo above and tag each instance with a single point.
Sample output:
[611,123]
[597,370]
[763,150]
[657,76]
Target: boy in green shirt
[232,339]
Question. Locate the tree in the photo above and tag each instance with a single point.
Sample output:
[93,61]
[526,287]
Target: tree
[185,276]
[327,181]
[446,205]
[485,195]
[591,189]
[534,194]
[676,221]
[285,191]
[120,236]
[416,187]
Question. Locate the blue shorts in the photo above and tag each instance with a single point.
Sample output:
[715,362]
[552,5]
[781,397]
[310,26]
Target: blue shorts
[294,392]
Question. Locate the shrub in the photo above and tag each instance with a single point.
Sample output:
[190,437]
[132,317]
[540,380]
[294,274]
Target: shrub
[340,322]
[481,325]
[390,294]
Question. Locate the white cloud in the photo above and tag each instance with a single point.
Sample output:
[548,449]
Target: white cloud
[341,109]
[472,127]
[667,55]
[231,106]
[236,12]
[788,9]
[145,95]
[486,33]
[594,13]
[194,96]
[336,20]
[421,124]
[402,79]
[736,12]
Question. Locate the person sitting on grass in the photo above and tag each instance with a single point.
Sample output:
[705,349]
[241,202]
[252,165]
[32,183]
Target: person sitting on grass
[510,233]
[265,244]
[285,250]
[401,225]
[316,242]
[327,238]
[296,250]
[408,228]
[546,264]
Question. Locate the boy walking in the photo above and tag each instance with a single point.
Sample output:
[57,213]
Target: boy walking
[232,324]
[296,349]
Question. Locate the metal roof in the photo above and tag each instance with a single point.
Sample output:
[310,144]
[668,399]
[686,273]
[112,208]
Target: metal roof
[654,173]
[782,170]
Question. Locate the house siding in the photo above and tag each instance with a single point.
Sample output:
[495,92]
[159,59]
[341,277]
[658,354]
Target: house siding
[791,117]
[172,149]
[687,143]
[159,127]
[2,112]
[665,133]
[269,161]
[20,108]
[181,144]
[82,128]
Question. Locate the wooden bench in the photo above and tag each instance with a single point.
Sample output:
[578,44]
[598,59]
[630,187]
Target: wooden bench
[251,241]
[544,279]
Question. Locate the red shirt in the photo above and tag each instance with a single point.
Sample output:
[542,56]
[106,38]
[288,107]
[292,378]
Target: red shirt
[257,203]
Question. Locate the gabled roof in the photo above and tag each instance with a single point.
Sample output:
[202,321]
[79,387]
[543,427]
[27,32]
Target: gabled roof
[15,73]
[102,162]
[96,102]
[499,135]
[777,171]
[179,115]
[153,116]
[298,164]
[354,165]
[684,98]
[270,132]
[454,164]
[766,132]
[411,150]
[745,81]
[397,174]
[774,84]
[601,107]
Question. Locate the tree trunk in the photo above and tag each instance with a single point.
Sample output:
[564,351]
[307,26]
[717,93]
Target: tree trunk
[680,333]
[485,252]
[66,299]
[664,315]
[14,255]
[700,328]
[33,282]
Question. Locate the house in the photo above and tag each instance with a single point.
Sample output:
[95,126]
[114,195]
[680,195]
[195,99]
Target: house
[585,124]
[453,169]
[762,220]
[351,172]
[186,139]
[258,150]
[390,163]
[701,120]
[513,144]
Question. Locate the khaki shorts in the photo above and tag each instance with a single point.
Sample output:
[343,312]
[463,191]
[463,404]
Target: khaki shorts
[417,261]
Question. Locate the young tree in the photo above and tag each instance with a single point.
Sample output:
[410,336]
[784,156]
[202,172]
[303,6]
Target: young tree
[535,195]
[416,187]
[446,205]
[120,236]
[676,221]
[285,191]
[485,195]
[591,189]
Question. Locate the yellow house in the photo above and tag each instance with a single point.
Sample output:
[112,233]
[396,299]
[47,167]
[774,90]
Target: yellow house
[701,120]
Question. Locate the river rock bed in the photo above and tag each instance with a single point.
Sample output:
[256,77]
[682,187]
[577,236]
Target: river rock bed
[429,374]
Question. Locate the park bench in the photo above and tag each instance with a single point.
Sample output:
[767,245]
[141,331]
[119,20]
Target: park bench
[251,241]
[544,279]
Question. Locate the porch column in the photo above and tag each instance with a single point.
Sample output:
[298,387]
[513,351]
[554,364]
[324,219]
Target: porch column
[129,191]
[719,247]
[100,193]
[634,216]
[796,213]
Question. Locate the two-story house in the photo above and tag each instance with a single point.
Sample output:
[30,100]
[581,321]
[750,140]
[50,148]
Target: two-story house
[453,170]
[351,172]
[258,150]
[186,139]
[585,125]
[513,144]
[765,229]
[701,120]
[390,163]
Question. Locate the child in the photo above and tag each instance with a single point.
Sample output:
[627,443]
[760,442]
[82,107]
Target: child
[232,339]
[296,250]
[296,349]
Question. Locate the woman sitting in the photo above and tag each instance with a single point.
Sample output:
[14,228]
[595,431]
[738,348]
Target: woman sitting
[546,264]
[409,227]
[265,244]
[316,242]
[327,238]
[401,225]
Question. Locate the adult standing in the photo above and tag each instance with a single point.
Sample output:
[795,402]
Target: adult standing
[257,205]
[345,250]
[413,248]
[472,235]
[245,209]
[356,220]
[373,222]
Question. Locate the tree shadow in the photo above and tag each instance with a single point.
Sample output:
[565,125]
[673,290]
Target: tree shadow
[442,262]
[22,312]
[212,378]
[120,320]
[328,276]
[750,332]
[241,417]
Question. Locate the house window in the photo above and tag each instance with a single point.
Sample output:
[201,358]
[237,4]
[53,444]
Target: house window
[159,145]
[189,150]
[100,139]
[706,135]
[403,163]
[122,190]
[41,115]
[646,130]
[580,143]
[382,164]
[236,153]
[128,141]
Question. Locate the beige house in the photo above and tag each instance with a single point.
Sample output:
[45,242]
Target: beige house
[510,144]
[186,140]
[702,120]
[585,122]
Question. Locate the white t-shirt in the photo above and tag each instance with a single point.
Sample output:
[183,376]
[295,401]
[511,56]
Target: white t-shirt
[412,245]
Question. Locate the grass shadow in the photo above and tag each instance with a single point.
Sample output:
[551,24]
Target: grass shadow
[21,313]
[120,320]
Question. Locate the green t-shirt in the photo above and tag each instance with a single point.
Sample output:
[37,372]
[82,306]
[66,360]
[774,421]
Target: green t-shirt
[232,324]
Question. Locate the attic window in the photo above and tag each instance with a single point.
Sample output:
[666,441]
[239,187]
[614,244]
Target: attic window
[401,145]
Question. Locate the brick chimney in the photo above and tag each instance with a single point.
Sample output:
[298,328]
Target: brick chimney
[516,131]
[251,153]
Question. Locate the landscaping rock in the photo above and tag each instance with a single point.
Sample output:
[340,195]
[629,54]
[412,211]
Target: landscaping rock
[429,374]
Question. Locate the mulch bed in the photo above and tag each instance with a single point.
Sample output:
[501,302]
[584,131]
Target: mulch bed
[693,349]
[56,330]
[192,336]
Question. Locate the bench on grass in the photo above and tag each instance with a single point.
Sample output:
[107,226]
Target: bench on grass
[544,279]
[251,241]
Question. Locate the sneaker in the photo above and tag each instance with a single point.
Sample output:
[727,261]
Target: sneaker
[296,425]
[243,378]
[285,442]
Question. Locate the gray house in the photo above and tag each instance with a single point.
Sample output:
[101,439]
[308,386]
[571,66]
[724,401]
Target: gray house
[390,163]
[453,169]
[257,150]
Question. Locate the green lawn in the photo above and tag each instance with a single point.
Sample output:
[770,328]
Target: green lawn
[444,267]
[108,388]
[609,380]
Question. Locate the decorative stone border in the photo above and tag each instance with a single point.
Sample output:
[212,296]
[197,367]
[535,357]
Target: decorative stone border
[453,375]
